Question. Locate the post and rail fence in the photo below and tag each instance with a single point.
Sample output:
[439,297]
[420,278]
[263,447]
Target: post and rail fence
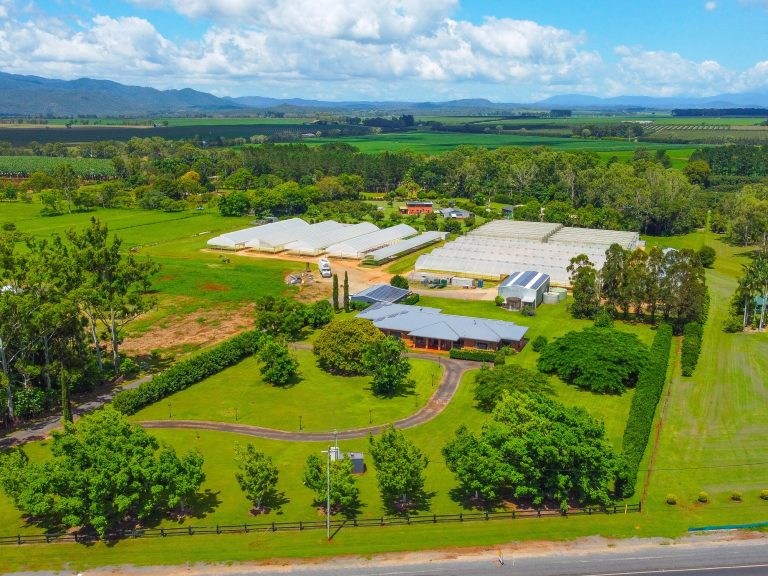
[336,525]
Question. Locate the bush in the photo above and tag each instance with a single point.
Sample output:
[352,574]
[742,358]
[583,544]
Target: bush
[733,324]
[539,343]
[650,385]
[703,497]
[472,354]
[399,282]
[691,348]
[707,256]
[736,496]
[499,300]
[764,494]
[604,318]
[357,306]
[184,374]
[671,499]
[411,299]
[598,359]
[128,367]
[29,402]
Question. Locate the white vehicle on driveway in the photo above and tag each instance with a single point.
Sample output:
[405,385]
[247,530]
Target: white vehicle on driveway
[325,267]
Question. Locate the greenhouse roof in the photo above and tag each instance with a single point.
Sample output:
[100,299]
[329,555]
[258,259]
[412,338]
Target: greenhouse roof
[277,238]
[594,236]
[321,239]
[375,239]
[517,229]
[238,237]
[403,246]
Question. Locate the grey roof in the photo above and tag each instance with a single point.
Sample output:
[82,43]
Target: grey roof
[455,212]
[405,245]
[422,322]
[382,293]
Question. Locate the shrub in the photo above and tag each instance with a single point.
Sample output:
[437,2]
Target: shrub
[707,256]
[398,282]
[736,496]
[650,385]
[128,367]
[691,348]
[411,299]
[471,354]
[539,343]
[499,300]
[29,402]
[671,499]
[184,374]
[604,318]
[597,359]
[733,324]
[703,497]
[764,494]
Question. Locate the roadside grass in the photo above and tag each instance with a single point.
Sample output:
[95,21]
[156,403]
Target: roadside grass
[323,401]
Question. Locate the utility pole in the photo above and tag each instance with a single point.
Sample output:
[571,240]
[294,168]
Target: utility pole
[328,495]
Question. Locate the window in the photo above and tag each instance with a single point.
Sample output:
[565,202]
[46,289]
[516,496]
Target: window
[482,346]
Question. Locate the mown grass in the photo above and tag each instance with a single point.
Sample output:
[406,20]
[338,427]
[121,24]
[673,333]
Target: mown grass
[323,401]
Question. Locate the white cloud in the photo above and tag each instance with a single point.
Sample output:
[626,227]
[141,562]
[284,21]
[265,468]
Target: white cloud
[710,6]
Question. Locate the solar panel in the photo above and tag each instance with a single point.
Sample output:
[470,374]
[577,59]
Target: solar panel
[539,282]
[525,278]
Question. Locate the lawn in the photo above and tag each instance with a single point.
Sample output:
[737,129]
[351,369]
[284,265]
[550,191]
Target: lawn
[323,401]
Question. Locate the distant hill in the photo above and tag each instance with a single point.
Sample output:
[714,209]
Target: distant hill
[32,95]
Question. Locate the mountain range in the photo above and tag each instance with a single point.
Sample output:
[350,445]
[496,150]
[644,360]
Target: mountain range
[36,96]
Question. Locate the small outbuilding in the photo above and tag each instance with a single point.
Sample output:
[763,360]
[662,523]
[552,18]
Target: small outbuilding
[524,288]
[417,207]
[457,213]
[380,293]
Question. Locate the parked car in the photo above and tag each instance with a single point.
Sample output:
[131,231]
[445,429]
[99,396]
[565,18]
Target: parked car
[325,267]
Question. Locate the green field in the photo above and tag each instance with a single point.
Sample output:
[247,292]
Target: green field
[84,167]
[438,142]
[323,401]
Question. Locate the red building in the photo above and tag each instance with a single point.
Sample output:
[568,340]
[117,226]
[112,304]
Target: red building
[417,208]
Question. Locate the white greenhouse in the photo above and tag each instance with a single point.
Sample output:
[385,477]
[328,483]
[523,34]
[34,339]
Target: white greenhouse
[317,242]
[405,246]
[279,240]
[240,239]
[359,246]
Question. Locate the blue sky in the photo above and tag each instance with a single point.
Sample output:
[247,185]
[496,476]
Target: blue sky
[504,50]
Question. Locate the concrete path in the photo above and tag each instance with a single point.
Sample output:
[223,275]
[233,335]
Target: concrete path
[42,428]
[453,370]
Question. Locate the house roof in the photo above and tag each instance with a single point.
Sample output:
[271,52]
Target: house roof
[455,212]
[423,322]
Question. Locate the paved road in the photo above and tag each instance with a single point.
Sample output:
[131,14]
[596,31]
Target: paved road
[42,428]
[453,370]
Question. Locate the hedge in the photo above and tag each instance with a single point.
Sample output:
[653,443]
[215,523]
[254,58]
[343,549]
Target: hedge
[476,355]
[650,385]
[188,372]
[692,335]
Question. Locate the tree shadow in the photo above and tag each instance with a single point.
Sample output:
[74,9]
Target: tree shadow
[292,381]
[201,505]
[418,502]
[469,500]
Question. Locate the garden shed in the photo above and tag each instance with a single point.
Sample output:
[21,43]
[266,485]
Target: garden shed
[380,293]
[524,288]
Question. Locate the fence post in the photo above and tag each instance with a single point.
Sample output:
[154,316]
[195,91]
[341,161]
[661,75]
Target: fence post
[18,539]
[382,520]
[274,529]
[218,530]
[614,508]
[408,519]
[189,529]
[486,515]
[514,514]
[434,518]
[76,537]
[162,532]
[640,506]
[538,512]
[245,527]
[461,516]
[355,521]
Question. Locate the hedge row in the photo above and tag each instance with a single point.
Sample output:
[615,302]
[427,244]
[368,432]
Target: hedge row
[471,354]
[650,385]
[692,335]
[187,372]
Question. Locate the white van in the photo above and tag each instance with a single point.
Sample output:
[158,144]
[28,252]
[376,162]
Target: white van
[325,267]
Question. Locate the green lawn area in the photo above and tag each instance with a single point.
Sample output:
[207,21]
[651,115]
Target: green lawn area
[714,431]
[323,401]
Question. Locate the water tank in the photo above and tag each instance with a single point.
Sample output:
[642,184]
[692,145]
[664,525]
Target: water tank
[561,292]
[551,298]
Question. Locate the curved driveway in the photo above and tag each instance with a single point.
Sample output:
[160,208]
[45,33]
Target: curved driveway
[453,370]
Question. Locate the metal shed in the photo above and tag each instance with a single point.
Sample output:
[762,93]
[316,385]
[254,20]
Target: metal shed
[380,293]
[525,287]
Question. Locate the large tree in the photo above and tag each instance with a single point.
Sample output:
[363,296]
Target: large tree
[386,361]
[257,476]
[104,473]
[400,469]
[586,298]
[492,383]
[340,346]
[536,451]
[114,285]
[345,495]
[278,365]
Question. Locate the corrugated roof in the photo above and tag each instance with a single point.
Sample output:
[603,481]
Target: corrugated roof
[406,245]
[360,244]
[528,279]
[383,293]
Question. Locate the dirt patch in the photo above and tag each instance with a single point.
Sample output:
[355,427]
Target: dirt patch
[213,287]
[167,278]
[201,328]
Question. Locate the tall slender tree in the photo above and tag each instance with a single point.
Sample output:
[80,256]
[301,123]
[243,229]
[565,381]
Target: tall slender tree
[346,292]
[335,296]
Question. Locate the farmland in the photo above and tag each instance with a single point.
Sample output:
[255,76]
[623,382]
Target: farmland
[15,166]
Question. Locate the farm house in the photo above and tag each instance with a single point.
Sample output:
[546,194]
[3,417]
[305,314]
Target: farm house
[524,288]
[359,246]
[427,328]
